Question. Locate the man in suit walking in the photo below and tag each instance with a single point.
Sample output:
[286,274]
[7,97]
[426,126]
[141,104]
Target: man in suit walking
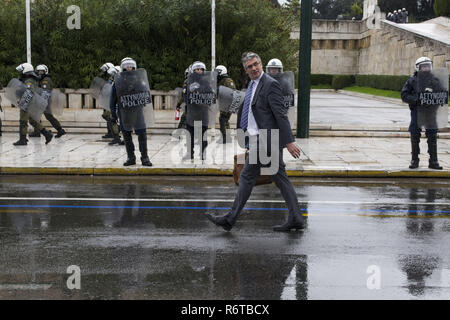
[263,111]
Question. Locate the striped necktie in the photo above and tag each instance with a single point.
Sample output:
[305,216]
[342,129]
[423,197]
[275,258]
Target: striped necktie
[246,108]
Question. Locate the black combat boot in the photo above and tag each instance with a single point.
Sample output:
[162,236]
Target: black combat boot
[110,133]
[130,149]
[143,149]
[116,140]
[432,150]
[48,135]
[415,151]
[35,134]
[22,141]
[60,133]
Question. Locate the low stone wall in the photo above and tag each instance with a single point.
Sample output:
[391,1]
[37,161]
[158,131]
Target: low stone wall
[80,99]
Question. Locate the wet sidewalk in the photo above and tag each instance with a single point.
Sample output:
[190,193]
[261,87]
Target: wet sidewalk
[345,141]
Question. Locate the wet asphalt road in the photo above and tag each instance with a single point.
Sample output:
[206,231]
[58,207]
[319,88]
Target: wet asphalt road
[147,238]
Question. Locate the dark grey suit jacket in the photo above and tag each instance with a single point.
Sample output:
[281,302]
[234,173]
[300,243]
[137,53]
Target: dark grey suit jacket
[269,111]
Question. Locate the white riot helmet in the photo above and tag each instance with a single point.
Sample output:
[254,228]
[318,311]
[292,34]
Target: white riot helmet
[186,72]
[128,62]
[274,63]
[25,67]
[198,65]
[221,70]
[106,67]
[404,9]
[395,11]
[117,68]
[112,71]
[43,68]
[423,61]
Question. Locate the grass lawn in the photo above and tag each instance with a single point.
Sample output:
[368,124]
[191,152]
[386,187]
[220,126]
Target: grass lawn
[321,86]
[375,92]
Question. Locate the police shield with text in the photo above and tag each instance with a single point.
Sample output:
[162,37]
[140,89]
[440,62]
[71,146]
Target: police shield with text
[131,102]
[426,92]
[200,100]
[23,93]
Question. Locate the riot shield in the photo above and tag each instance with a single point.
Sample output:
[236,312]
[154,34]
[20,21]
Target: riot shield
[26,99]
[201,99]
[287,83]
[432,108]
[134,99]
[96,87]
[230,100]
[56,102]
[105,96]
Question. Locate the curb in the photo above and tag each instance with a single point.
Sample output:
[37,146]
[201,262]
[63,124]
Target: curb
[319,173]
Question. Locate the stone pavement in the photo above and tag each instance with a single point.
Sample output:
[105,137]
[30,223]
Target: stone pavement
[327,155]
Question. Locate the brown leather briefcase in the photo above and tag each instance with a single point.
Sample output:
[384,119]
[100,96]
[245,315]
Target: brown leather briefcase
[237,173]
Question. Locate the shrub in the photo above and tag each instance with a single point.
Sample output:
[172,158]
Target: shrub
[342,81]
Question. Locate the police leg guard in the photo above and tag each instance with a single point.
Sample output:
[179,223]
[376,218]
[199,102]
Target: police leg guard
[55,124]
[415,150]
[23,125]
[432,150]
[129,146]
[47,134]
[109,134]
[36,132]
[142,137]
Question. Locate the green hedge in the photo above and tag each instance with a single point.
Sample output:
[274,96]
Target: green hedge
[394,83]
[342,81]
[442,8]
[317,79]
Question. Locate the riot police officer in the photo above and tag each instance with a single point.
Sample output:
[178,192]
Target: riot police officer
[131,113]
[223,79]
[199,106]
[31,81]
[107,72]
[410,94]
[46,84]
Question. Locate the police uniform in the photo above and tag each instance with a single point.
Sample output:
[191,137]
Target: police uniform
[113,127]
[409,95]
[224,118]
[31,81]
[46,84]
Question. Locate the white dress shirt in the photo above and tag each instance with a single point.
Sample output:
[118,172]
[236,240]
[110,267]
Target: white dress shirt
[252,126]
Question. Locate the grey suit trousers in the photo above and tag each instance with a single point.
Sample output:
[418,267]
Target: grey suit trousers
[247,181]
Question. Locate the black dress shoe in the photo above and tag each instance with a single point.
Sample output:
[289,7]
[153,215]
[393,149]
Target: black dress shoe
[414,164]
[219,221]
[434,165]
[288,226]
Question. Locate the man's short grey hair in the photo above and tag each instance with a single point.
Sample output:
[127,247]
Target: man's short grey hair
[246,56]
